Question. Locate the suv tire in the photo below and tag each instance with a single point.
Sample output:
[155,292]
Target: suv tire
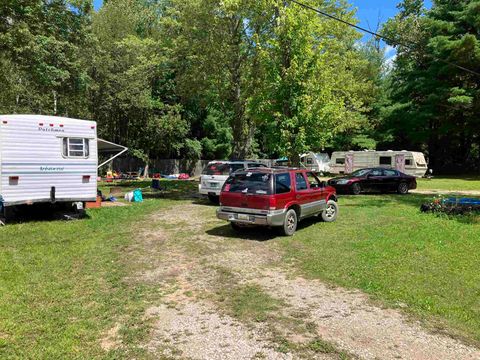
[290,224]
[331,212]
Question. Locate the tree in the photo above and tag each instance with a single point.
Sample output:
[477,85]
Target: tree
[132,100]
[313,90]
[435,105]
[42,50]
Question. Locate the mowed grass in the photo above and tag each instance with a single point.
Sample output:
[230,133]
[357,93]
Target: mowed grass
[466,183]
[385,246]
[62,283]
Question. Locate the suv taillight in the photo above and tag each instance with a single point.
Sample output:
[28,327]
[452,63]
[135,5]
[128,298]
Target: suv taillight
[272,203]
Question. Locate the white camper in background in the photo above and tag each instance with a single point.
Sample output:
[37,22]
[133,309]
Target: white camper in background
[47,159]
[316,162]
[408,162]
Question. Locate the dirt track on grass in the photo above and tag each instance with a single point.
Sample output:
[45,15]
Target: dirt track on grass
[198,262]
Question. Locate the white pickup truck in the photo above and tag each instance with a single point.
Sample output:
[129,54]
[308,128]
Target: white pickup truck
[217,172]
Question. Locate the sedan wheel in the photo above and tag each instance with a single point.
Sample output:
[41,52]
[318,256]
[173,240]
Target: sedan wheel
[403,188]
[331,212]
[290,224]
[356,189]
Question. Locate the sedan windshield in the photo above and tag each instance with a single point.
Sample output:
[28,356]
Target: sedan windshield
[361,172]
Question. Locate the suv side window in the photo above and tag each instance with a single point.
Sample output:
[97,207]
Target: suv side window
[313,180]
[283,184]
[301,182]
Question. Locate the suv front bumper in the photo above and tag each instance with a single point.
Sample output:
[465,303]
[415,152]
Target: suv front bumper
[251,216]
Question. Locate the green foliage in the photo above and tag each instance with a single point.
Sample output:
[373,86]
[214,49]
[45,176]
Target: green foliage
[43,57]
[434,106]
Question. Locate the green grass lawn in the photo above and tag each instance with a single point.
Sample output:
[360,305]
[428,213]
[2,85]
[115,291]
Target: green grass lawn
[62,283]
[383,245]
[466,183]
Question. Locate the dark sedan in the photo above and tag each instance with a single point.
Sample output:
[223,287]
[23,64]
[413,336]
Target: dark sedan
[374,180]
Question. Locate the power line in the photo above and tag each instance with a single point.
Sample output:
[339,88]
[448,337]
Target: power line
[390,40]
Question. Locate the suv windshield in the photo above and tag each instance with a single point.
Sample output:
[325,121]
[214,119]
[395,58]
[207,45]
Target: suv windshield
[217,169]
[249,183]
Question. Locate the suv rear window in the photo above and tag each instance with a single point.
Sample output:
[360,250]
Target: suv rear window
[249,183]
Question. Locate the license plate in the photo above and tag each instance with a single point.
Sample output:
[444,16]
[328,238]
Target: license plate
[213,185]
[243,217]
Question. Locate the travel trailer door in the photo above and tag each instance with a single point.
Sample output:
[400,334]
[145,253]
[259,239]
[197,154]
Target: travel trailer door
[400,162]
[348,163]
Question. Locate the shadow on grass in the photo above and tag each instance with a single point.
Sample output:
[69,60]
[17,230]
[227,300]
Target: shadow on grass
[43,213]
[257,233]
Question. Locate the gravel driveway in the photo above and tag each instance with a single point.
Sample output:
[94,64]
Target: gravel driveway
[200,265]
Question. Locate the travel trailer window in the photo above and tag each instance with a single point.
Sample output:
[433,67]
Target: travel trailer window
[385,160]
[76,148]
[340,161]
[309,161]
[408,162]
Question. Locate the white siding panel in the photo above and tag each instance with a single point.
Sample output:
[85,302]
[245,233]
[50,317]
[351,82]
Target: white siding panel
[33,153]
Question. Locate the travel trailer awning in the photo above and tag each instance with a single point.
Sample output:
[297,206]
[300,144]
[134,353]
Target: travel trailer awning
[104,146]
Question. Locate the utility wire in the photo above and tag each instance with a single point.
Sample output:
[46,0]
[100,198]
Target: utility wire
[390,40]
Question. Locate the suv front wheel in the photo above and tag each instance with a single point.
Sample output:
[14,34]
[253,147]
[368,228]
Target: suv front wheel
[290,223]
[331,212]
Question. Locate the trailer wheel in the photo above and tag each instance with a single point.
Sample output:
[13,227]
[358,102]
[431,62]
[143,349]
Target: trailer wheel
[4,214]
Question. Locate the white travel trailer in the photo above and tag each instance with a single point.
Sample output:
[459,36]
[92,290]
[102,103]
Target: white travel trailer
[409,162]
[319,162]
[47,159]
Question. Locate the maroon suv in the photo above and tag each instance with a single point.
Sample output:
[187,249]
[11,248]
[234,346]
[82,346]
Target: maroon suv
[275,197]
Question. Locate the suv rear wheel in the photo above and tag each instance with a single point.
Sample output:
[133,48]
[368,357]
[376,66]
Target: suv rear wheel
[331,212]
[290,223]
